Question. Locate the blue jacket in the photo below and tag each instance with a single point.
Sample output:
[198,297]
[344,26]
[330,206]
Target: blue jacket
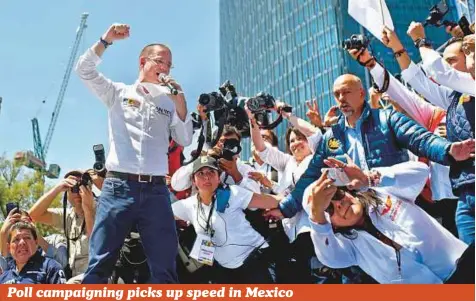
[386,135]
[38,270]
[460,127]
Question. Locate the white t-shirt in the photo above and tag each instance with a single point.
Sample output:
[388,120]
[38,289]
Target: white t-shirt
[291,172]
[234,238]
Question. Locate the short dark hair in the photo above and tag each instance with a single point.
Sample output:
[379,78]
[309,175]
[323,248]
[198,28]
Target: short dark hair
[229,130]
[22,226]
[288,135]
[454,40]
[146,50]
[274,138]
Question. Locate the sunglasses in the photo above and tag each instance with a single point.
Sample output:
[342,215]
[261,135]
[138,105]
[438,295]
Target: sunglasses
[338,196]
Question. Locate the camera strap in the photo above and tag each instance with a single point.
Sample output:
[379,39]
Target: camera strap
[386,81]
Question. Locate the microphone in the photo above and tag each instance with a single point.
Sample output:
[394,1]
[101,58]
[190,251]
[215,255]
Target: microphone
[171,88]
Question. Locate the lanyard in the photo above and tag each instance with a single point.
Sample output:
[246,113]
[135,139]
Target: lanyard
[208,227]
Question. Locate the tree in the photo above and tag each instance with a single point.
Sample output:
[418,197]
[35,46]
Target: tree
[24,187]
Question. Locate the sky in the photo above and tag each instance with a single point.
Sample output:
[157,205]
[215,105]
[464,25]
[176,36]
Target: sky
[37,37]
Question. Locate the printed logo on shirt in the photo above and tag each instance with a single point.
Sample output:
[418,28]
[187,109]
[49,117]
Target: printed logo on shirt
[164,112]
[388,206]
[333,144]
[129,102]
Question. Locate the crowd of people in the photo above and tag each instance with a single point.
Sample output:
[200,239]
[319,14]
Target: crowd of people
[379,190]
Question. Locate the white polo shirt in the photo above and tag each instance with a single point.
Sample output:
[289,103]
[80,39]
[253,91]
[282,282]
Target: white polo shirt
[141,118]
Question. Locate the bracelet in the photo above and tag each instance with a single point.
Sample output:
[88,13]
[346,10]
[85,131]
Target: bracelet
[399,53]
[369,179]
[104,42]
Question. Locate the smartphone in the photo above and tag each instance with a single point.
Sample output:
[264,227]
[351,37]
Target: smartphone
[12,206]
[339,177]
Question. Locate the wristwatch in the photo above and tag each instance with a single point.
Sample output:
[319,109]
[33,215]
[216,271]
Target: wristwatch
[422,42]
[104,42]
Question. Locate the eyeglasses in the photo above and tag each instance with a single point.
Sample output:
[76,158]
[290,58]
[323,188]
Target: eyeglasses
[159,61]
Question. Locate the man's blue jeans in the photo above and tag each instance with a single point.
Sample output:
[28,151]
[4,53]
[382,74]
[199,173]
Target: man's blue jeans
[121,205]
[465,214]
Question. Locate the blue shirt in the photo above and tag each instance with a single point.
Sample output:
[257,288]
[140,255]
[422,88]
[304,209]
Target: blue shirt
[38,270]
[353,144]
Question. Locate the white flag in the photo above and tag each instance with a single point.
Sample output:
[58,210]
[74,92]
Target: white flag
[371,14]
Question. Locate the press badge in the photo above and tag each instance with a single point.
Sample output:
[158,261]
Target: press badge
[203,249]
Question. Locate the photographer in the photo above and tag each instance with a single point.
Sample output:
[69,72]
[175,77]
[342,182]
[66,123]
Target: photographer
[28,266]
[235,172]
[292,165]
[76,225]
[441,72]
[459,125]
[237,252]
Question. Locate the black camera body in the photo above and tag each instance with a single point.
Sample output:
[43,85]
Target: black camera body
[100,163]
[356,41]
[84,181]
[437,13]
[231,148]
[226,104]
[261,102]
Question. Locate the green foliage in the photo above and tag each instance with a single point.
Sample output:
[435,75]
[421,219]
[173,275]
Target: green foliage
[23,186]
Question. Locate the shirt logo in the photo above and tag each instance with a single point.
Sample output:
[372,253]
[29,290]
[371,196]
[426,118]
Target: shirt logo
[388,206]
[164,112]
[129,102]
[333,144]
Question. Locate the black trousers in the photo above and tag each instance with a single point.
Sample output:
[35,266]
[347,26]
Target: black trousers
[258,268]
[464,272]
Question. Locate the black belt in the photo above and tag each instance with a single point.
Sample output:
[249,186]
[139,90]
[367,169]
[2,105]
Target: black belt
[136,178]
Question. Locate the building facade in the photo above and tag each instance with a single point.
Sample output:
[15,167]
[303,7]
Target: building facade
[291,49]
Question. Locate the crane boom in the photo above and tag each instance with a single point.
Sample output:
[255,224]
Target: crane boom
[64,84]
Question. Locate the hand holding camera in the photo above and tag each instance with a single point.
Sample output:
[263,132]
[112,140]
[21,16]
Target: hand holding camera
[67,184]
[87,197]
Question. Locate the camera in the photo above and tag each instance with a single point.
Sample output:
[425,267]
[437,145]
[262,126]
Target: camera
[212,101]
[356,41]
[261,102]
[231,147]
[228,106]
[100,164]
[437,13]
[84,181]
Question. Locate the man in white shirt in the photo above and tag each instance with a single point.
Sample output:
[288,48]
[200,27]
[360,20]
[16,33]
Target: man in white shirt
[142,116]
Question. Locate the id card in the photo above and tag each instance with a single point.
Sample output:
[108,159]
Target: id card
[203,249]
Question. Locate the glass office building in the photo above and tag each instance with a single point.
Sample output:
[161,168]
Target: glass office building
[292,48]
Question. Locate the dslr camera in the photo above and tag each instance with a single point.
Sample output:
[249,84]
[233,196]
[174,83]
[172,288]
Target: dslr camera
[231,147]
[100,163]
[84,181]
[228,106]
[261,102]
[356,41]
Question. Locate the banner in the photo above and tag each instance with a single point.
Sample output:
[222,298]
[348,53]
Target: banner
[371,14]
[300,292]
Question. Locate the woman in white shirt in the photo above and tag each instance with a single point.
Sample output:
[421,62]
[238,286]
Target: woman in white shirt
[225,239]
[300,145]
[381,230]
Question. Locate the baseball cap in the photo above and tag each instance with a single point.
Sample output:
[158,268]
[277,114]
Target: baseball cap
[204,161]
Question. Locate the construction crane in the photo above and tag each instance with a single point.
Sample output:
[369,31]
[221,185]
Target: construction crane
[37,160]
